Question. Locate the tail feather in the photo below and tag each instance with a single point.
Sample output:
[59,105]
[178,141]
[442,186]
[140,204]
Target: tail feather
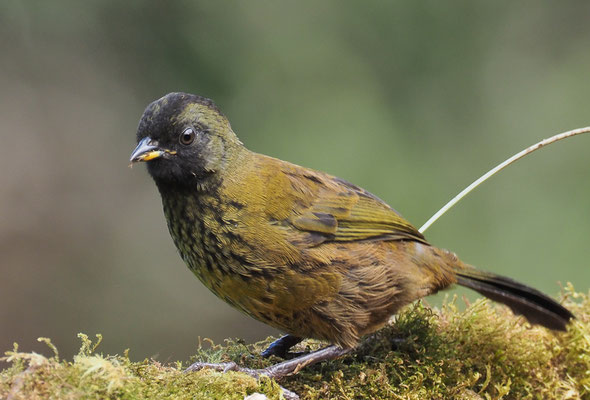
[537,307]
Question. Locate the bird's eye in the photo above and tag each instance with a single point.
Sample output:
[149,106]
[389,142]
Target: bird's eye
[187,136]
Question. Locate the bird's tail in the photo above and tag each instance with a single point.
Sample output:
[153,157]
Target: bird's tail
[537,307]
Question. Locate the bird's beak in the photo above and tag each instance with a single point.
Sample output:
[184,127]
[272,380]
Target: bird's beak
[146,150]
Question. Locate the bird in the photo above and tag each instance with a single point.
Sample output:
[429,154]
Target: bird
[298,249]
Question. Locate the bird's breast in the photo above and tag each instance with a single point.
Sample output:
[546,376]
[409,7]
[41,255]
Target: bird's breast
[204,230]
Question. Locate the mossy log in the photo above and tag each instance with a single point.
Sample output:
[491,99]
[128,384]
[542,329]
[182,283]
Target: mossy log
[481,352]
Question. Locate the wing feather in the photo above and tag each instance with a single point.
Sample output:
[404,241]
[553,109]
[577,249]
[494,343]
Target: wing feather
[343,212]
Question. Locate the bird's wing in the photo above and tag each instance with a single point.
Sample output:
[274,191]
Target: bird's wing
[341,211]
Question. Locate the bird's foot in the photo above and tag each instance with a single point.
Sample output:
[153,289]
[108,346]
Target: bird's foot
[232,366]
[281,346]
[280,370]
[222,367]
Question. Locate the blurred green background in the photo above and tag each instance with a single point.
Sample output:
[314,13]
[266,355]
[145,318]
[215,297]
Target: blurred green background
[411,100]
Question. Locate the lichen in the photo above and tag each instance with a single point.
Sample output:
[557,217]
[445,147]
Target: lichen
[481,352]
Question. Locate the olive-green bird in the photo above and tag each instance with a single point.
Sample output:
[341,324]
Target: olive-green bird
[303,251]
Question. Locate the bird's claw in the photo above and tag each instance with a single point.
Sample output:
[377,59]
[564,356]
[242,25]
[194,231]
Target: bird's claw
[232,366]
[279,370]
[223,367]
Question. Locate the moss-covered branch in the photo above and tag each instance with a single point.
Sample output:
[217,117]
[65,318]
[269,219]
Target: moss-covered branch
[483,352]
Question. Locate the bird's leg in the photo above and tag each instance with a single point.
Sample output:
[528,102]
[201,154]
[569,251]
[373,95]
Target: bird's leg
[281,346]
[281,369]
[295,365]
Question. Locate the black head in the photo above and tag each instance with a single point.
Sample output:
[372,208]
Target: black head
[184,139]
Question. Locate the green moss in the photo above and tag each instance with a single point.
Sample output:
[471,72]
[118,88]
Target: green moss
[483,352]
[92,376]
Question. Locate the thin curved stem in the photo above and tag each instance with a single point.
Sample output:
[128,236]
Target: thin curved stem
[498,168]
